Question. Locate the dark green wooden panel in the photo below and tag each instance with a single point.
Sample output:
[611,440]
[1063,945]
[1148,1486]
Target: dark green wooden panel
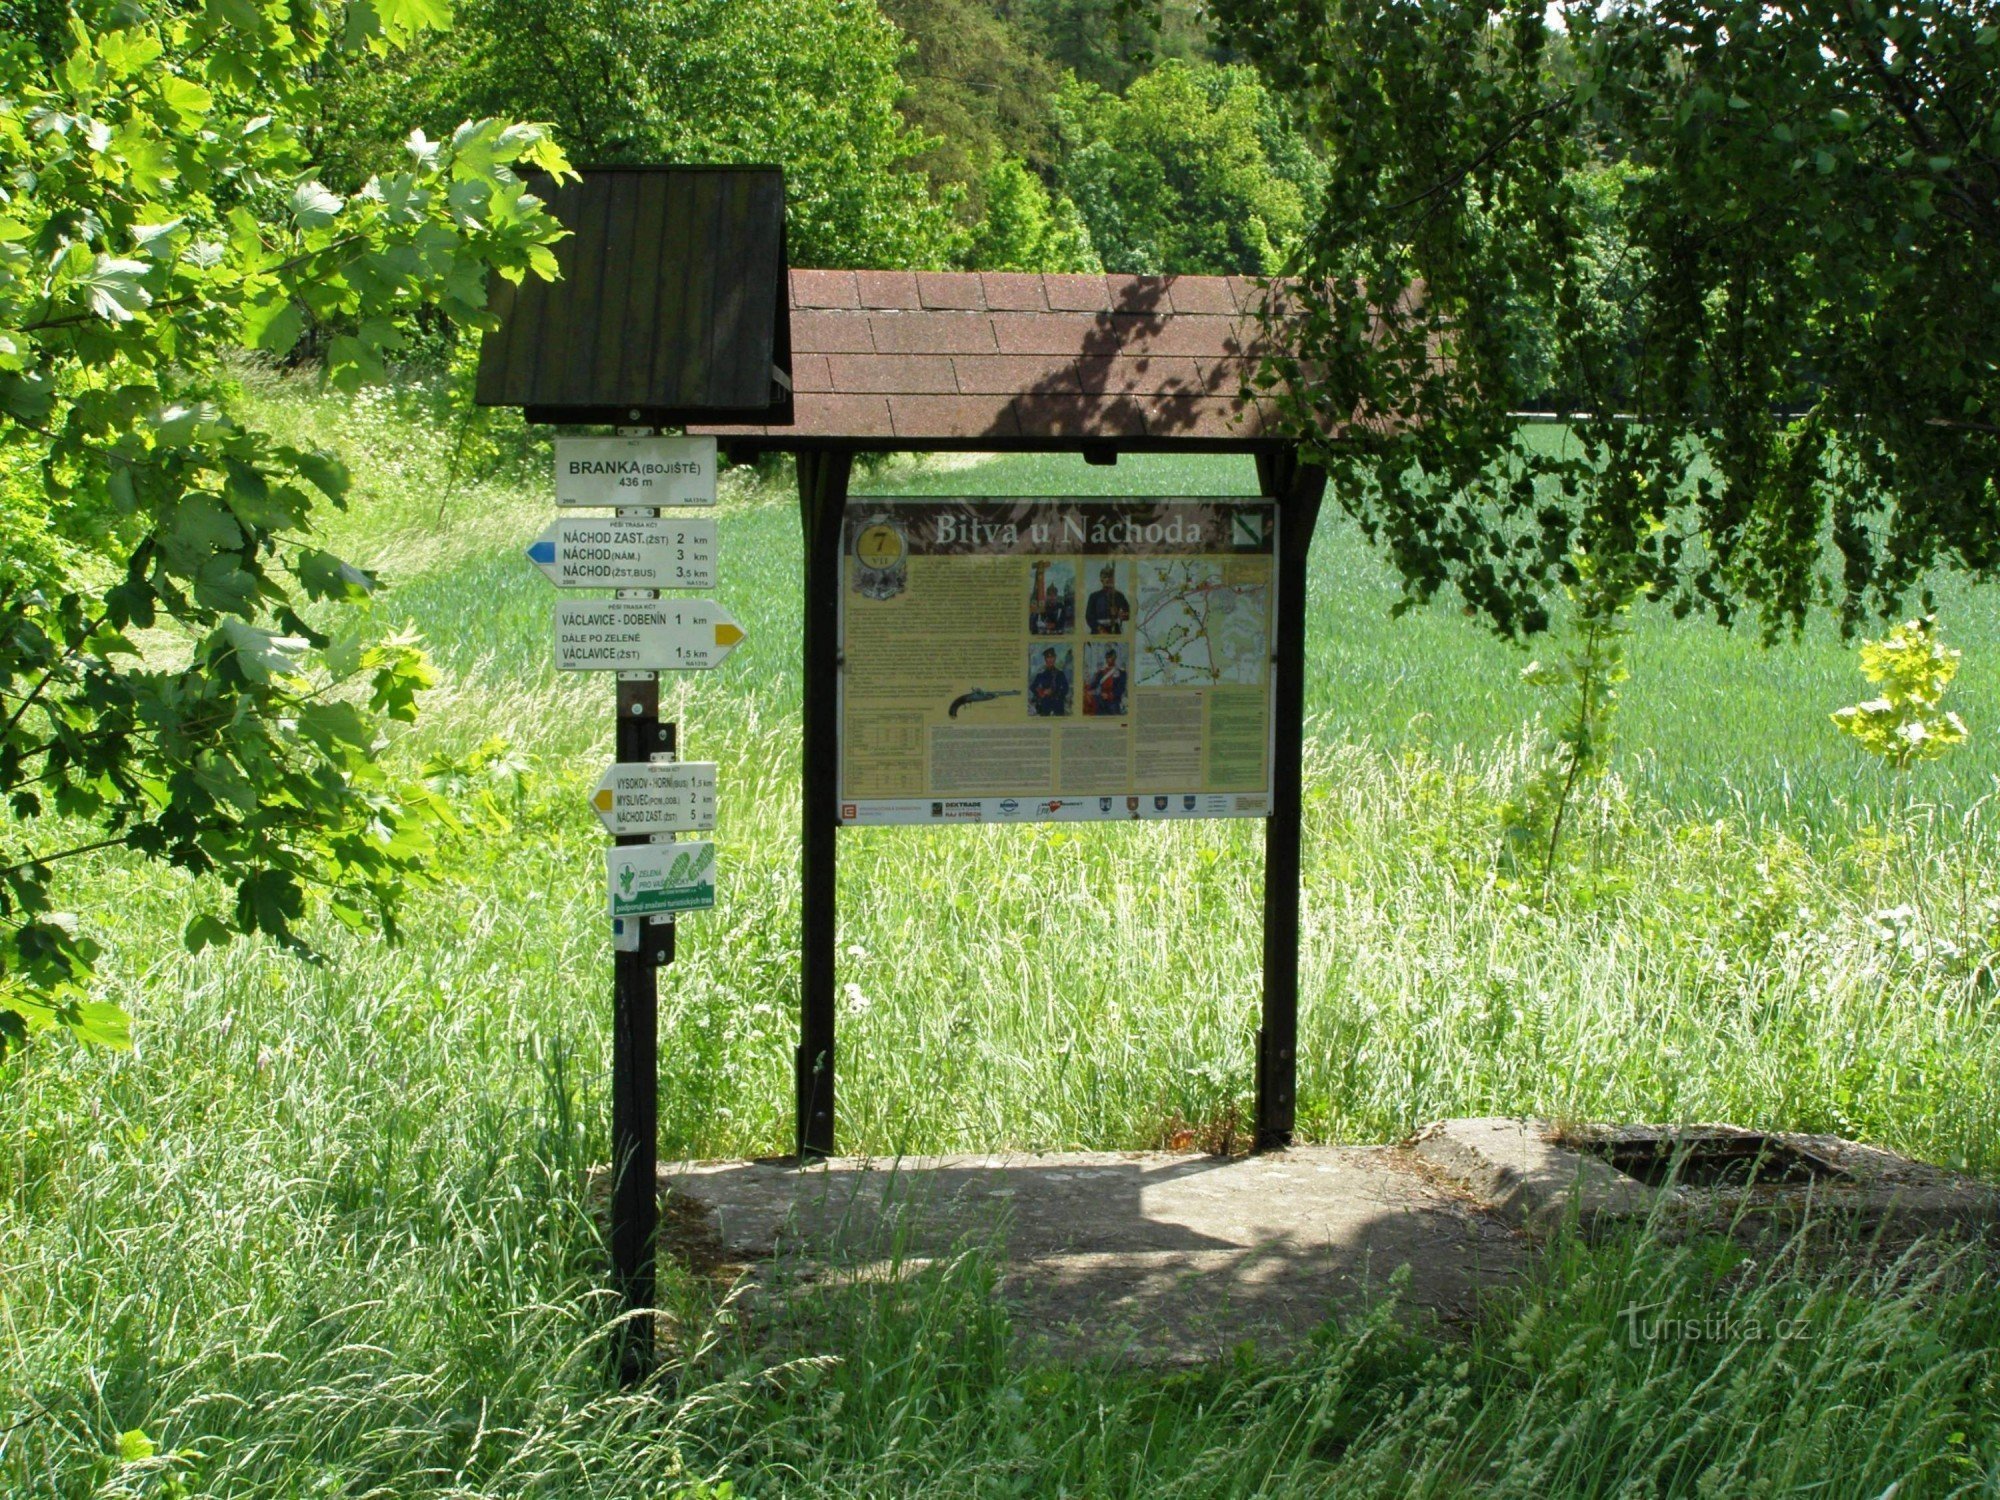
[672,307]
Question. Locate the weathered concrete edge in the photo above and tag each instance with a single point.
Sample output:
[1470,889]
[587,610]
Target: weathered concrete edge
[1518,1169]
[1515,1168]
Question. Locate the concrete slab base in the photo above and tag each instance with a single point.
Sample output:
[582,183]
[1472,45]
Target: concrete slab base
[1163,1258]
[1149,1256]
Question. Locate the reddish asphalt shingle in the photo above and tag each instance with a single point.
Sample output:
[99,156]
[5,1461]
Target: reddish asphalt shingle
[824,289]
[907,358]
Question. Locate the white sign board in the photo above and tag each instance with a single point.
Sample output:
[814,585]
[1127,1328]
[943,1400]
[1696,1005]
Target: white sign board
[644,880]
[669,797]
[602,552]
[635,471]
[643,635]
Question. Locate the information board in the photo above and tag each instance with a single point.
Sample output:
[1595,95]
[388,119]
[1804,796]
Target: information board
[1056,659]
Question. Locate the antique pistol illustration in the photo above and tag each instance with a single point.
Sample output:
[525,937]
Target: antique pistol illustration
[978,695]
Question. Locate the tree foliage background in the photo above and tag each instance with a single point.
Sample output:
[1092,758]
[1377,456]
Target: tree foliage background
[185,674]
[1040,135]
[1747,252]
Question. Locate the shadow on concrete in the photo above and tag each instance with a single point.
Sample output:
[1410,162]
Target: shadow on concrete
[1168,1259]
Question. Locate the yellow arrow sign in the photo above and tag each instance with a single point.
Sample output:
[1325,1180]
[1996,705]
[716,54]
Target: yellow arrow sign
[644,635]
[656,797]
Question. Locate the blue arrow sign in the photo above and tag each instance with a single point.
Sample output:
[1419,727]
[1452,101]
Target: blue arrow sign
[627,552]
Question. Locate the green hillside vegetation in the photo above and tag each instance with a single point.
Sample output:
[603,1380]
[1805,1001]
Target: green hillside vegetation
[929,134]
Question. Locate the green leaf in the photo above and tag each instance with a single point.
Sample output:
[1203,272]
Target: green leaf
[116,288]
[324,471]
[258,654]
[135,1447]
[273,325]
[156,241]
[327,577]
[351,363]
[128,52]
[187,99]
[101,1024]
[205,931]
[314,206]
[400,20]
[195,530]
[269,901]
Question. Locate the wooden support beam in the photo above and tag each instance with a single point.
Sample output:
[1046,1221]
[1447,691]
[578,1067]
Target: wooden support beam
[1298,489]
[823,477]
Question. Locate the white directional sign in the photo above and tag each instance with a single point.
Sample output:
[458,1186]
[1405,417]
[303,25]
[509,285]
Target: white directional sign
[600,552]
[643,635]
[635,471]
[643,880]
[670,797]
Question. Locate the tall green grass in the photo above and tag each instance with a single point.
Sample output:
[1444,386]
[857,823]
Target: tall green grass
[328,1231]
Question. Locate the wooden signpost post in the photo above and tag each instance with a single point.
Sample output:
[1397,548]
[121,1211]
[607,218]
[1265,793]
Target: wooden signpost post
[646,798]
[670,309]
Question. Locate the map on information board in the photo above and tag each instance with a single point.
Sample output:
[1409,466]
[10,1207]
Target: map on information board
[1006,661]
[1195,628]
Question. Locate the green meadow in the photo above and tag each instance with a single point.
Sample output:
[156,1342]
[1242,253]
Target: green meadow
[327,1231]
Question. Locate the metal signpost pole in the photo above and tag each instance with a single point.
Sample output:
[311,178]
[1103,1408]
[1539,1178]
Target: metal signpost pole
[635,1033]
[670,308]
[645,799]
[635,1058]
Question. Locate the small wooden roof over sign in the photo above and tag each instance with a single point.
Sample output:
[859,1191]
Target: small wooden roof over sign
[917,360]
[671,306]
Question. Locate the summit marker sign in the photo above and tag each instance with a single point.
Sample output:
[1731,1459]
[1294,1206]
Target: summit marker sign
[600,471]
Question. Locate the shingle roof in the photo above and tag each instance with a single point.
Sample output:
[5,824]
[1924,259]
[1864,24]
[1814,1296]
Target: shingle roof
[971,359]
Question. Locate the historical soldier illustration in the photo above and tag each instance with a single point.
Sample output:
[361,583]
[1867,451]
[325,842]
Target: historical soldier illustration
[1104,681]
[1049,686]
[1107,609]
[1052,599]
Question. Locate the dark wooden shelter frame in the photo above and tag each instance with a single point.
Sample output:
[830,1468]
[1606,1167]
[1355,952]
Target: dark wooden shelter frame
[915,362]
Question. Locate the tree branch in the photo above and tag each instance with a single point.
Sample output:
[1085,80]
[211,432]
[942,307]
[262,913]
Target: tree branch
[167,304]
[49,859]
[1446,184]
